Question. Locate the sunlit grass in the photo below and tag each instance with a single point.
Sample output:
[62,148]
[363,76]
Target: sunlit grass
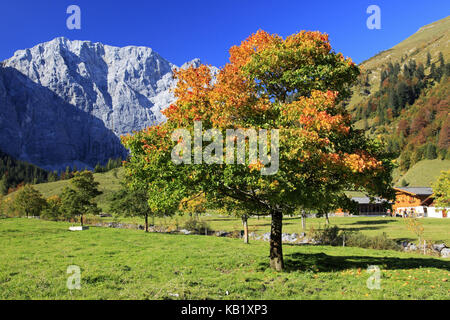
[436,230]
[129,264]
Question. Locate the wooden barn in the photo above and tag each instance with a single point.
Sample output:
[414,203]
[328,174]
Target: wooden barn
[376,207]
[416,202]
[368,207]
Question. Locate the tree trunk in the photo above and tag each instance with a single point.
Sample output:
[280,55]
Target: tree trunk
[81,219]
[326,218]
[245,224]
[276,244]
[146,222]
[303,222]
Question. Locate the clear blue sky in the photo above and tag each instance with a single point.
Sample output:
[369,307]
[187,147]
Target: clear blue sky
[183,30]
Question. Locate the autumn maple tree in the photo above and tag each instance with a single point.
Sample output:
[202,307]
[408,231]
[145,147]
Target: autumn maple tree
[294,85]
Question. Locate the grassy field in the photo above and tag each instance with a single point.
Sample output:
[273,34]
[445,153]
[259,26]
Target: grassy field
[129,264]
[109,183]
[437,230]
[424,173]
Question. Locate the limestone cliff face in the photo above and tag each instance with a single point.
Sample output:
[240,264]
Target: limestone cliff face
[67,102]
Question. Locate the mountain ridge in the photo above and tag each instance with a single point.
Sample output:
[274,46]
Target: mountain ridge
[90,94]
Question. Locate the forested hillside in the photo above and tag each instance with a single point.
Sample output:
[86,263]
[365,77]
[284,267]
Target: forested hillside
[404,98]
[410,111]
[15,172]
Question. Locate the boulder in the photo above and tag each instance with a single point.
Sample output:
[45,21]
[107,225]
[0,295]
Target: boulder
[439,247]
[221,234]
[291,238]
[445,253]
[305,241]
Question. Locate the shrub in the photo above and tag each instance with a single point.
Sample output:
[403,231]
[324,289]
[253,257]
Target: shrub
[382,242]
[92,219]
[334,236]
[8,208]
[328,236]
[379,242]
[52,209]
[196,225]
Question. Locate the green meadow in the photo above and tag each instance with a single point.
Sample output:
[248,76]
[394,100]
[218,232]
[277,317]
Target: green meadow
[435,230]
[424,173]
[130,264]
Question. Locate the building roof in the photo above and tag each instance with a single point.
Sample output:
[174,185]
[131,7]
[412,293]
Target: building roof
[366,200]
[418,191]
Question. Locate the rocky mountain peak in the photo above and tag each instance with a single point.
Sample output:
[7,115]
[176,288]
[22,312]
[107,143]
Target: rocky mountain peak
[114,90]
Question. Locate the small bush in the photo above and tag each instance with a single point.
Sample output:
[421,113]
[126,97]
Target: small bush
[356,239]
[328,236]
[380,242]
[52,209]
[334,236]
[196,225]
[92,219]
[8,208]
[236,234]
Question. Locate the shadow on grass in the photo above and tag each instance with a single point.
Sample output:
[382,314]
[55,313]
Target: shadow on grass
[321,262]
[373,222]
[361,228]
[221,219]
[404,239]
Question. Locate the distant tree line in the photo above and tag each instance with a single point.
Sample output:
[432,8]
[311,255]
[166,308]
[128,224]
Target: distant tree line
[399,87]
[112,164]
[16,173]
[75,201]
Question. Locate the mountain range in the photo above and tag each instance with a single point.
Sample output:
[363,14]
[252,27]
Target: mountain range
[66,103]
